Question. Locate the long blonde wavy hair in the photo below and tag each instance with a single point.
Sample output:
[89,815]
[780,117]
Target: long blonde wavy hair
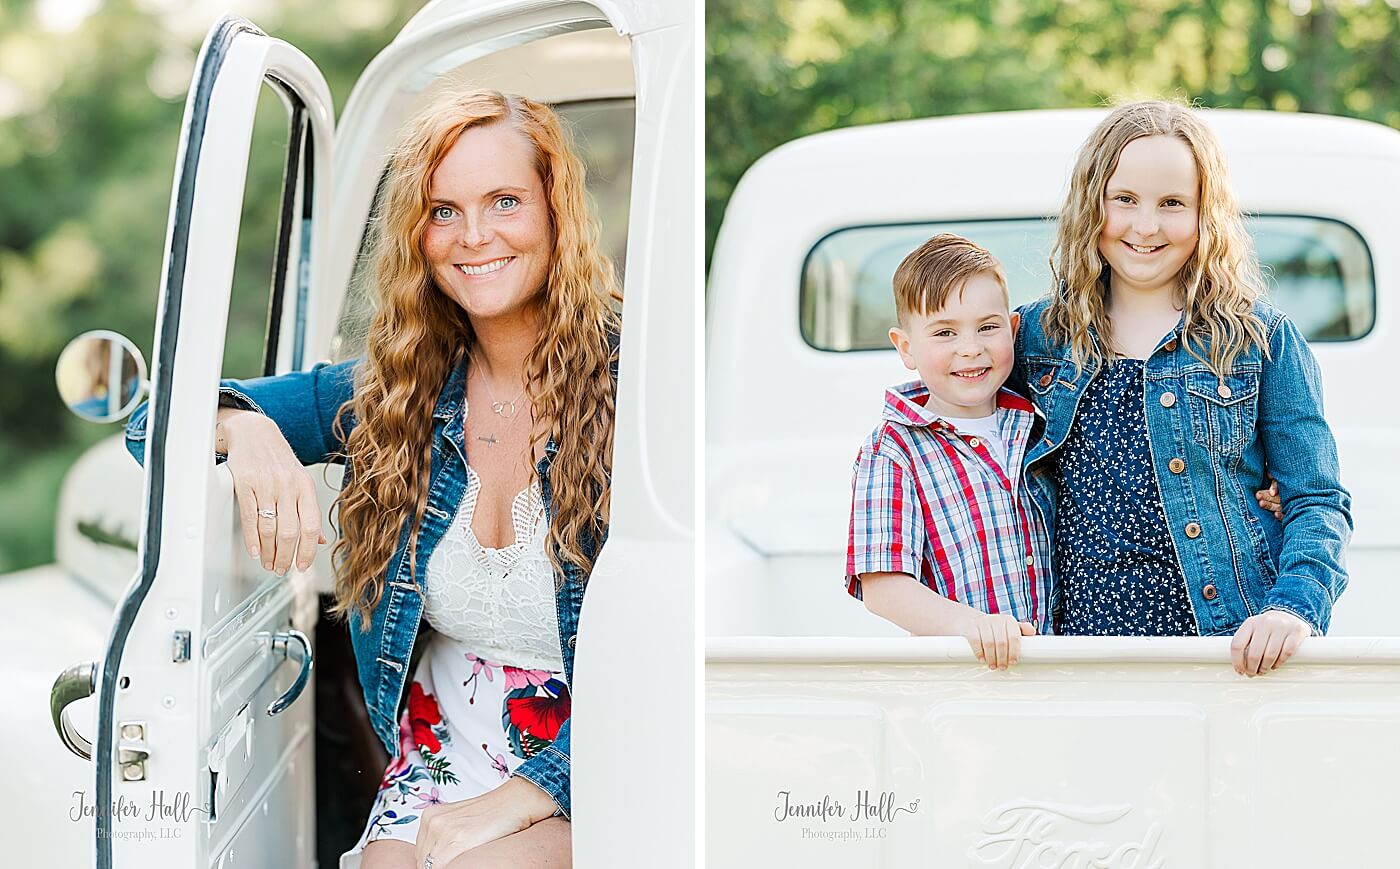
[418,335]
[1217,286]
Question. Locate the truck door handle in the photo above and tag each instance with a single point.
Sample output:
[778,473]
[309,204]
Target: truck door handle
[75,683]
[294,645]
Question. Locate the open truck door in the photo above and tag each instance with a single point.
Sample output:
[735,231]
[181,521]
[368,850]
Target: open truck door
[202,753]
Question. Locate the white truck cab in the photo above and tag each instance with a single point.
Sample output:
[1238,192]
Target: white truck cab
[199,663]
[1092,752]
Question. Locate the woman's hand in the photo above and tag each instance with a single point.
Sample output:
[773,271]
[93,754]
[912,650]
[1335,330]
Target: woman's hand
[276,497]
[1264,642]
[448,830]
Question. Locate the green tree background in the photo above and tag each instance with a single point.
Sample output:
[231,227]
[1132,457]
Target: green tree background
[776,70]
[91,98]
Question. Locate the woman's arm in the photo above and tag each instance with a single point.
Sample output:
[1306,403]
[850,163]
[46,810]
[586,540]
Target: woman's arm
[266,430]
[303,404]
[538,789]
[448,830]
[549,770]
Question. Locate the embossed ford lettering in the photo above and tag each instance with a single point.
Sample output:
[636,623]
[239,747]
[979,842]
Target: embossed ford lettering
[1034,835]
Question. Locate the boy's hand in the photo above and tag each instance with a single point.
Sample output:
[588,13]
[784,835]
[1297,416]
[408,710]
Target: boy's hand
[1269,499]
[1264,642]
[995,639]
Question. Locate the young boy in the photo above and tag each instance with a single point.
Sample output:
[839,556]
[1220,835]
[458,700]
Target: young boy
[943,540]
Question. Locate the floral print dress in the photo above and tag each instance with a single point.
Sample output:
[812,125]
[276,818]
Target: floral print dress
[1114,556]
[489,692]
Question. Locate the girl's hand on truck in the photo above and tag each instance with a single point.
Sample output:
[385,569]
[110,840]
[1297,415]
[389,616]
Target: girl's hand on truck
[1264,642]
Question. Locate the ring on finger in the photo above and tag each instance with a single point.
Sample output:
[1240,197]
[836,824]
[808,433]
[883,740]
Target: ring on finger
[269,513]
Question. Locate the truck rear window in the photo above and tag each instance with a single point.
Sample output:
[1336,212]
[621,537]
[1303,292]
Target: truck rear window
[1318,271]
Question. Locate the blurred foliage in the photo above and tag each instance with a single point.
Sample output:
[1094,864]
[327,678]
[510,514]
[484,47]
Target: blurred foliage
[91,99]
[776,70]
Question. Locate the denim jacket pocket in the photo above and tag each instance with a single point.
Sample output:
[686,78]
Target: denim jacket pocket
[1223,411]
[1042,376]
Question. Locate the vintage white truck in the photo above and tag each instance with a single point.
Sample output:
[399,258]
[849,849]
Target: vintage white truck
[177,759]
[833,740]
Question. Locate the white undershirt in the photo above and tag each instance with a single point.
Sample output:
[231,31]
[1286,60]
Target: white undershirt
[499,603]
[986,428]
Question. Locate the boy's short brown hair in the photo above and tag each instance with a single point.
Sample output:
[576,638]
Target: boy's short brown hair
[926,277]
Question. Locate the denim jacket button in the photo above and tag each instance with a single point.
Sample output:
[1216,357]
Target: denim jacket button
[1223,391]
[1167,399]
[1170,346]
[1045,380]
[1193,530]
[572,640]
[1176,465]
[1209,592]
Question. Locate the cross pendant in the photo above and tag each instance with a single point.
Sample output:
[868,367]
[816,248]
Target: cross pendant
[490,439]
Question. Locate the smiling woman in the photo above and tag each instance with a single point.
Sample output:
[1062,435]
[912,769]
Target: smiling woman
[489,234]
[487,187]
[495,305]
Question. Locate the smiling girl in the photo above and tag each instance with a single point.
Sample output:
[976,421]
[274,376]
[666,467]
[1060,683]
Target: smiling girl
[1168,386]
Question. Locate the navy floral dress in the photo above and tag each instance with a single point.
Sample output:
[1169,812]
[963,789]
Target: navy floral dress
[1114,559]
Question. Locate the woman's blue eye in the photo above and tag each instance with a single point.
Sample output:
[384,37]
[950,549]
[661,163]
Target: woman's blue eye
[442,212]
[506,203]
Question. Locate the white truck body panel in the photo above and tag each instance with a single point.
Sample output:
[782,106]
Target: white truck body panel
[64,623]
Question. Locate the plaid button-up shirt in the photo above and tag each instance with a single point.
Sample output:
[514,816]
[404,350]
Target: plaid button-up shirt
[933,503]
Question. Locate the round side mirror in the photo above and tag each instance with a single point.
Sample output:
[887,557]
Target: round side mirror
[101,376]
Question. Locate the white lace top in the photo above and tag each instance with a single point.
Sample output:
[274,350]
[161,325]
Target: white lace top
[498,603]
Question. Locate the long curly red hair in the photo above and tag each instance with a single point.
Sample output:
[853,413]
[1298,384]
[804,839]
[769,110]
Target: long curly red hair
[418,334]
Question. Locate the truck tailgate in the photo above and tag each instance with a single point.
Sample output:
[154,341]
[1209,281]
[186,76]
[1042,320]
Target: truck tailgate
[1091,752]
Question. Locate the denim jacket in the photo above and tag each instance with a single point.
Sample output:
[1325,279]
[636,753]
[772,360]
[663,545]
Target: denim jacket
[1210,442]
[304,404]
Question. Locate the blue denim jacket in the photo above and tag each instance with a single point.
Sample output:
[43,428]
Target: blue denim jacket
[1210,443]
[304,404]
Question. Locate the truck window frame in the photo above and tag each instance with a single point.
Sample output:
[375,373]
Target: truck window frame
[804,289]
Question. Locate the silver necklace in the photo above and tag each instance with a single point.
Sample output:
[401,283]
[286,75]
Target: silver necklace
[506,410]
[503,409]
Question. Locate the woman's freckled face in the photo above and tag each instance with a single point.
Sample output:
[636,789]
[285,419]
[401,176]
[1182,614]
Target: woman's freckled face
[1151,213]
[490,235]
